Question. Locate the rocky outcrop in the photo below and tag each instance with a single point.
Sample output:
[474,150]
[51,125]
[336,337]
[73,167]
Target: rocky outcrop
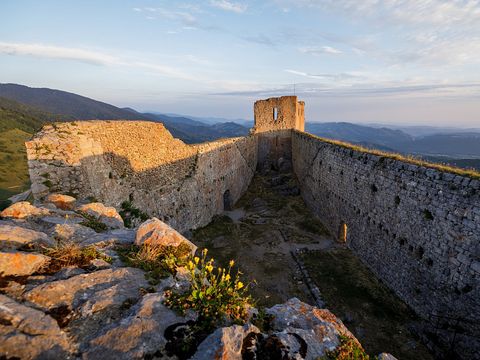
[136,336]
[27,333]
[318,329]
[23,209]
[156,233]
[73,232]
[91,292]
[105,214]
[225,343]
[14,237]
[20,263]
[64,202]
[297,331]
[105,310]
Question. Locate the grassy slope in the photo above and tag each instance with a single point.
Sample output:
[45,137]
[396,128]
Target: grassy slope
[17,124]
[13,162]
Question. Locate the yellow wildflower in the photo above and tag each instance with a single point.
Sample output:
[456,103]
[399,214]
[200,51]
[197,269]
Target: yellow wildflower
[227,277]
[196,259]
[209,268]
[231,263]
[239,285]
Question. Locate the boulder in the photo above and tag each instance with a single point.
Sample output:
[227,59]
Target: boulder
[91,292]
[14,237]
[112,237]
[64,202]
[105,214]
[73,232]
[225,343]
[298,324]
[156,232]
[19,263]
[27,333]
[23,209]
[136,337]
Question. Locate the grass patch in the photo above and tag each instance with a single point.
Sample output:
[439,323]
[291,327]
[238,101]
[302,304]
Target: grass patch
[313,225]
[157,261]
[220,225]
[71,254]
[93,223]
[474,174]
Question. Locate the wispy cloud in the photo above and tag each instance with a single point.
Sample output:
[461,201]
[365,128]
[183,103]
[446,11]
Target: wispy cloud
[363,90]
[184,17]
[91,57]
[229,6]
[329,77]
[66,53]
[319,50]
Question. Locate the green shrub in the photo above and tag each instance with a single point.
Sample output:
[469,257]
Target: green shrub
[215,294]
[129,213]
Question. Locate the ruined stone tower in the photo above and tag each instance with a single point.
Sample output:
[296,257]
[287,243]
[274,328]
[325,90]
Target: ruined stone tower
[283,113]
[274,121]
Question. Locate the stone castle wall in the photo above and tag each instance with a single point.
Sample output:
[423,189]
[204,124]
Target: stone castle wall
[417,228]
[116,161]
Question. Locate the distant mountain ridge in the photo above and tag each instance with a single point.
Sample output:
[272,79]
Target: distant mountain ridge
[65,103]
[462,148]
[63,106]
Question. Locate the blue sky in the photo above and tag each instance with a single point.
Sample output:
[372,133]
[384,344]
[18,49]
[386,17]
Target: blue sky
[390,61]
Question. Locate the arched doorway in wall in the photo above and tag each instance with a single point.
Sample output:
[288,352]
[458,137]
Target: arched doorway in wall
[343,232]
[227,201]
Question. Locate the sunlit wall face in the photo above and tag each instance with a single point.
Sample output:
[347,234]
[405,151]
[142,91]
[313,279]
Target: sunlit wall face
[409,62]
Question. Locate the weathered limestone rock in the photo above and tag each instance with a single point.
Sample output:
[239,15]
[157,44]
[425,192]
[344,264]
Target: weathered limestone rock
[23,209]
[91,292]
[225,343]
[14,237]
[105,214]
[112,237]
[138,335]
[21,263]
[318,328]
[64,202]
[26,333]
[20,197]
[73,232]
[156,232]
